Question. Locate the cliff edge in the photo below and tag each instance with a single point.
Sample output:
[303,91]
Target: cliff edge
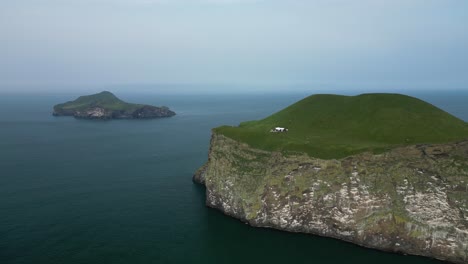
[394,194]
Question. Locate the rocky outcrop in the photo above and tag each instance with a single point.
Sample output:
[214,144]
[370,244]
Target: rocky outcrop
[98,112]
[148,111]
[105,105]
[411,200]
[93,113]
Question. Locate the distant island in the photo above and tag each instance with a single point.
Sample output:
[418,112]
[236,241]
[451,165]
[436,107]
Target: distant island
[385,171]
[105,105]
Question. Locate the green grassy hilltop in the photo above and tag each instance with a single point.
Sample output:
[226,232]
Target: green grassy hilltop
[103,99]
[335,126]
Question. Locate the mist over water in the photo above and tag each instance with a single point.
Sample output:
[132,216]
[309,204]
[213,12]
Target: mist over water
[120,191]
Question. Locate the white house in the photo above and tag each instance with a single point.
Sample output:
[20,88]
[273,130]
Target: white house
[279,129]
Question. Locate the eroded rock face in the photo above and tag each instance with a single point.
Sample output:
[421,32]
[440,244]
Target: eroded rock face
[93,113]
[148,111]
[411,200]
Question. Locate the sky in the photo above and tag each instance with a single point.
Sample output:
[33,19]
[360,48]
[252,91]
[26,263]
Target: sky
[236,44]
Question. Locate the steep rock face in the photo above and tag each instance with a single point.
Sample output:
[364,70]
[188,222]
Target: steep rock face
[92,113]
[149,111]
[412,200]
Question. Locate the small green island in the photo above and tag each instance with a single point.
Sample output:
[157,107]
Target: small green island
[105,105]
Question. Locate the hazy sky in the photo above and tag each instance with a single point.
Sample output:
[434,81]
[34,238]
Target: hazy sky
[418,44]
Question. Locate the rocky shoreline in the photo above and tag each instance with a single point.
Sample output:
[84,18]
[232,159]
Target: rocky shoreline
[143,112]
[409,200]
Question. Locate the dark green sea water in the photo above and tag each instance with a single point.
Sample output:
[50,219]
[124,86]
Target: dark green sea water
[80,191]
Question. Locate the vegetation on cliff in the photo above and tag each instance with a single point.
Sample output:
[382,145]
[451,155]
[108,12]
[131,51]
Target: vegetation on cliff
[411,199]
[106,105]
[335,126]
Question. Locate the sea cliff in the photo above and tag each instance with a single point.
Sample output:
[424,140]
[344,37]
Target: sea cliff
[411,199]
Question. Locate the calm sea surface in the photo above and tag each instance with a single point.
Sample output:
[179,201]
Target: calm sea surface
[80,191]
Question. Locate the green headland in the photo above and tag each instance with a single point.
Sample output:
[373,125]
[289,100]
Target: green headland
[105,105]
[335,126]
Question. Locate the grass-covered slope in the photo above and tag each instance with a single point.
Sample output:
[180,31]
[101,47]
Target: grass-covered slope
[104,99]
[335,126]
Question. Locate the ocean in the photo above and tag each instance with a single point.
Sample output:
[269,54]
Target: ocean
[121,191]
